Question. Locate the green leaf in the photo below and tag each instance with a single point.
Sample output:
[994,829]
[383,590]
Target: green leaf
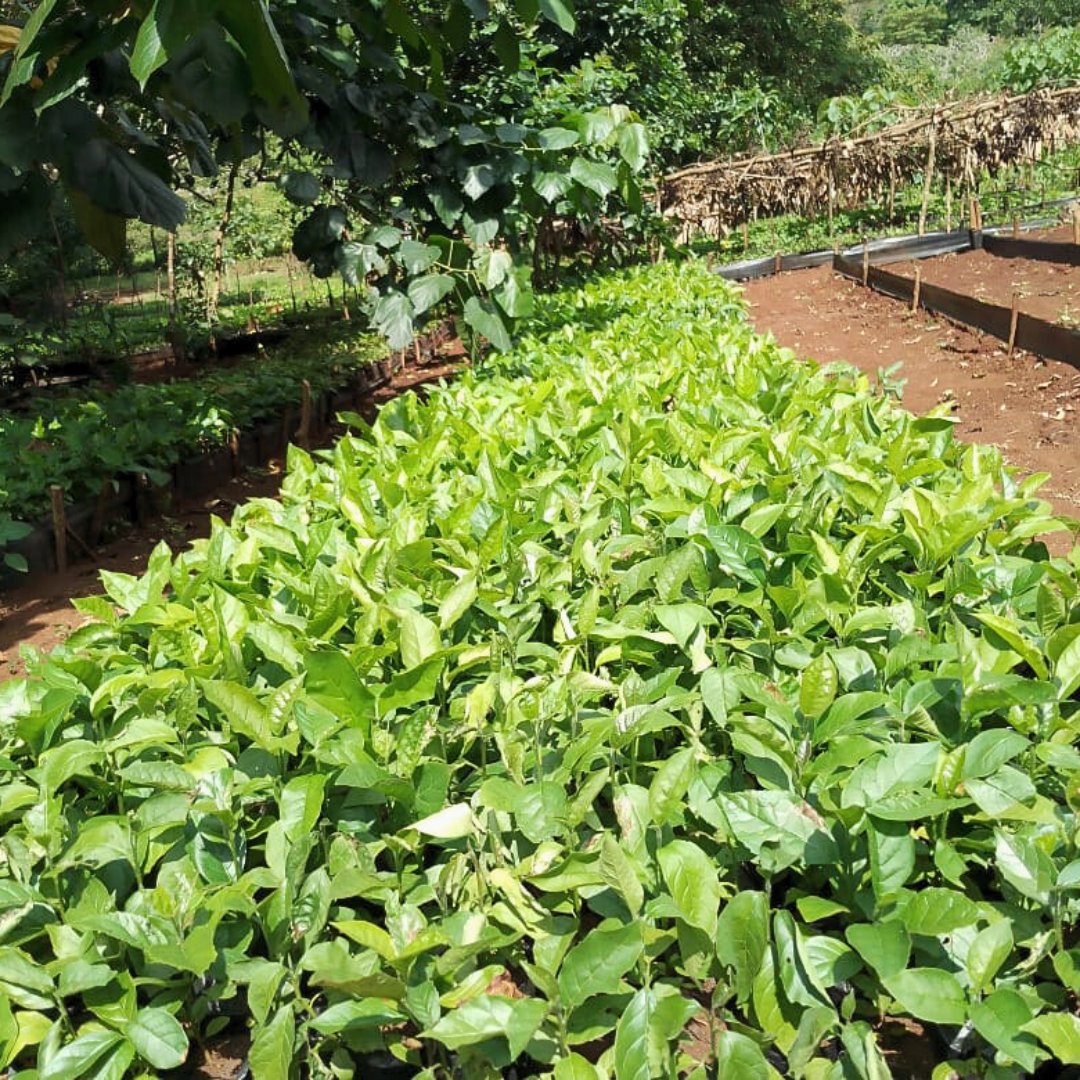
[598,963]
[594,175]
[158,1038]
[560,12]
[892,858]
[113,179]
[392,316]
[742,938]
[989,949]
[1024,866]
[929,994]
[1067,669]
[634,145]
[334,683]
[487,1017]
[450,823]
[670,783]
[77,1057]
[425,292]
[271,1053]
[618,871]
[552,186]
[885,946]
[105,232]
[1000,1020]
[1060,1032]
[740,1058]
[935,911]
[575,1067]
[301,805]
[817,686]
[482,316]
[690,877]
[419,638]
[632,1037]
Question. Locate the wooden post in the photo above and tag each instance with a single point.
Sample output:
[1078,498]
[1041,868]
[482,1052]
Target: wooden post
[97,522]
[1016,226]
[234,450]
[918,290]
[59,520]
[416,351]
[1013,322]
[778,265]
[865,264]
[1076,225]
[928,179]
[746,236]
[303,432]
[948,203]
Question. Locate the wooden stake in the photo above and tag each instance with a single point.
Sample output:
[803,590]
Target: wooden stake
[1076,226]
[97,522]
[303,432]
[918,290]
[234,450]
[59,520]
[1014,322]
[745,236]
[948,203]
[865,264]
[416,351]
[779,264]
[928,179]
[292,287]
[1016,226]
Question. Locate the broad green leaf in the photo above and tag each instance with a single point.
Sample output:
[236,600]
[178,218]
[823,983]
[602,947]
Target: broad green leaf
[817,686]
[740,1058]
[77,1057]
[450,823]
[690,877]
[598,963]
[1000,1020]
[885,946]
[1060,1033]
[989,949]
[158,1038]
[301,804]
[934,911]
[618,871]
[632,1037]
[597,176]
[742,937]
[929,994]
[271,1054]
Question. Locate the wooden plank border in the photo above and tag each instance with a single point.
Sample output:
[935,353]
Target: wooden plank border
[1037,250]
[1035,335]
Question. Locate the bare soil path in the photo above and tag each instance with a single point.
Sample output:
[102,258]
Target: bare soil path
[1024,405]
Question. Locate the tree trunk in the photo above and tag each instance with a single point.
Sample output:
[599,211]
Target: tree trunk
[219,244]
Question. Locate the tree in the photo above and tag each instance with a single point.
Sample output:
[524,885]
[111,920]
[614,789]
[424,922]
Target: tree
[413,192]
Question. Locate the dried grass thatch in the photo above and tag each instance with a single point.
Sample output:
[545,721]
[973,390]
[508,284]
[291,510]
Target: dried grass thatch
[956,142]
